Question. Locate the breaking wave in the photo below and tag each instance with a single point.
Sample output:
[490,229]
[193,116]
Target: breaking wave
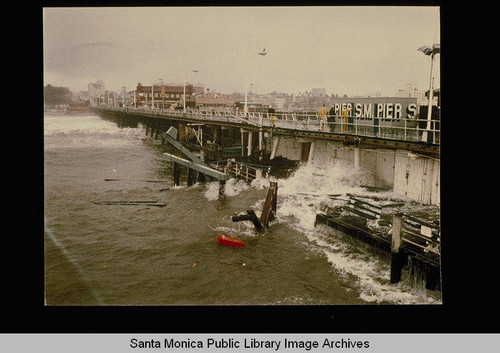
[307,192]
[83,131]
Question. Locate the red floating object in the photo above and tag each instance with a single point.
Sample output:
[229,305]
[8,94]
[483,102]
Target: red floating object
[230,241]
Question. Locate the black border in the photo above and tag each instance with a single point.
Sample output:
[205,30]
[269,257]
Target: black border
[467,300]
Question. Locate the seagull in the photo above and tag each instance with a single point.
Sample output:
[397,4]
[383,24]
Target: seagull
[263,52]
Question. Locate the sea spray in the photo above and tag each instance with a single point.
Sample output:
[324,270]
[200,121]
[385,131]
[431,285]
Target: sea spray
[233,187]
[87,131]
[305,193]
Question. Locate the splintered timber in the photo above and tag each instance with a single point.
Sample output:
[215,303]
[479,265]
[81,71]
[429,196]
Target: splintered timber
[231,343]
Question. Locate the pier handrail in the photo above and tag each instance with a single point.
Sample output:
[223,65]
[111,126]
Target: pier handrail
[241,170]
[405,129]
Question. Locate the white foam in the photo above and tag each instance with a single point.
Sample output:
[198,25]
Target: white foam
[212,191]
[233,187]
[67,131]
[301,197]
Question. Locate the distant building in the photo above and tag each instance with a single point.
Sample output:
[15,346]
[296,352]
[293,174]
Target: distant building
[281,103]
[161,95]
[411,91]
[318,92]
[96,91]
[78,108]
[214,99]
[109,99]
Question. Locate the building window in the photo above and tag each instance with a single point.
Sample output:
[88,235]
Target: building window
[177,95]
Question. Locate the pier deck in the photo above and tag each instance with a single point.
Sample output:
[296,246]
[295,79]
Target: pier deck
[401,134]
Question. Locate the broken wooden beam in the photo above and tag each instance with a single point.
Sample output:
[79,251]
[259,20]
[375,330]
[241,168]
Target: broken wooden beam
[269,209]
[171,136]
[198,167]
[250,216]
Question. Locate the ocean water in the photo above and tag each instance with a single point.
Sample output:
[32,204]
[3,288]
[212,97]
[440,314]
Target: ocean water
[98,254]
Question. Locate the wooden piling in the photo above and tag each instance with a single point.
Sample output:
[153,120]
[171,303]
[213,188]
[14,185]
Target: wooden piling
[157,127]
[191,177]
[177,174]
[222,186]
[152,128]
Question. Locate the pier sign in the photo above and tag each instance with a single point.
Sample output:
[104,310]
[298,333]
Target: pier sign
[378,107]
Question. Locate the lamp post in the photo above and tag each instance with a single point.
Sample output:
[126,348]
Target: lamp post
[162,94]
[262,53]
[430,52]
[152,96]
[123,96]
[184,104]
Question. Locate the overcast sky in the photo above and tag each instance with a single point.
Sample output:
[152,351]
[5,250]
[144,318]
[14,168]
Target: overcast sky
[347,50]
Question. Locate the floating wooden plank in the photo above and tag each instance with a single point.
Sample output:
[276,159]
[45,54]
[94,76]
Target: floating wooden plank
[134,201]
[364,202]
[145,180]
[131,203]
[359,213]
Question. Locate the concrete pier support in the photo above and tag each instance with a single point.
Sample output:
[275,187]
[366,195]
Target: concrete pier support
[311,152]
[276,141]
[357,158]
[249,150]
[261,139]
[242,142]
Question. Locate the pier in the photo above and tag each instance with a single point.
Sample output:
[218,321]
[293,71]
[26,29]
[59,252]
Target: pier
[362,132]
[233,144]
[392,149]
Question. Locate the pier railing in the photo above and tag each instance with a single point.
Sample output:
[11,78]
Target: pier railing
[406,129]
[243,171]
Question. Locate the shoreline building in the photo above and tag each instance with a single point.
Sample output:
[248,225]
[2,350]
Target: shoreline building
[96,91]
[214,100]
[161,96]
[411,91]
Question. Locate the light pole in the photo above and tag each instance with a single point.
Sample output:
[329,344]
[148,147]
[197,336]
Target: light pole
[262,53]
[430,52]
[184,104]
[152,96]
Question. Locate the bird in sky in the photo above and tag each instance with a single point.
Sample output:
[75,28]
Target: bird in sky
[263,52]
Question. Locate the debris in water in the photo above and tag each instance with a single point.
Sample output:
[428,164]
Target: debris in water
[230,241]
[131,203]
